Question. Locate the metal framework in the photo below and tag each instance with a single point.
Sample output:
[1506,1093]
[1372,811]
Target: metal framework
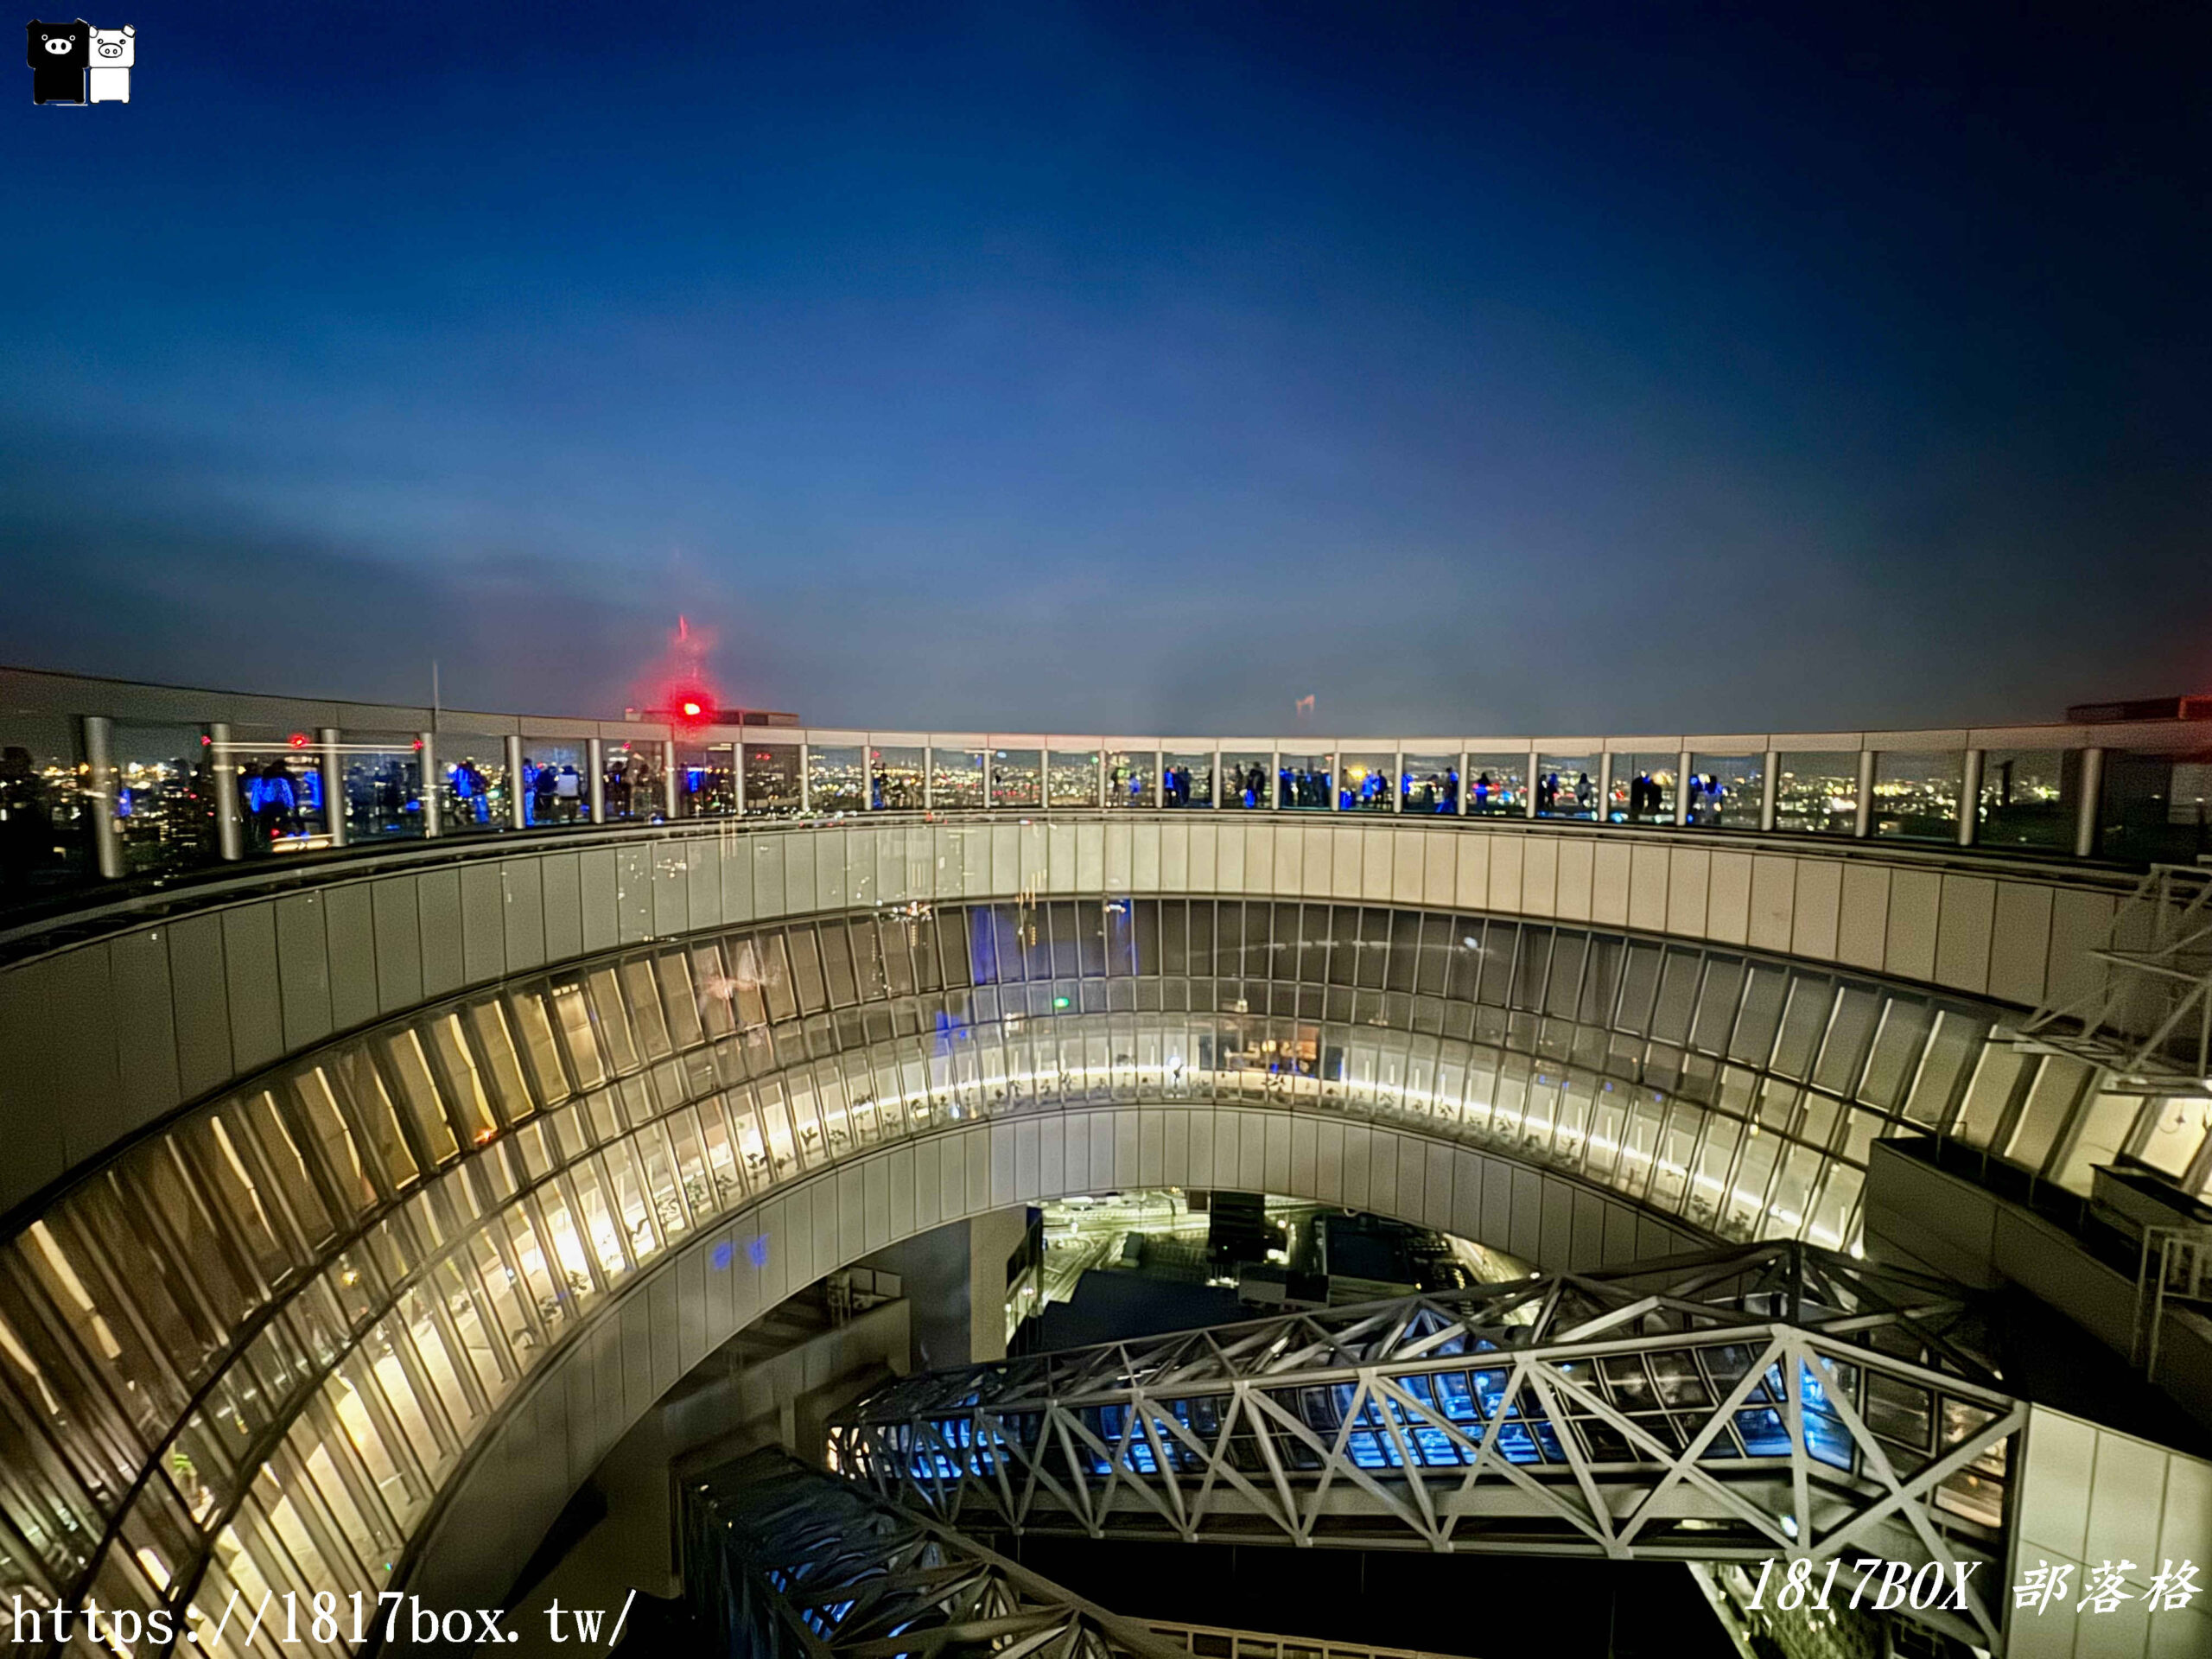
[781,1558]
[2148,1021]
[1736,1405]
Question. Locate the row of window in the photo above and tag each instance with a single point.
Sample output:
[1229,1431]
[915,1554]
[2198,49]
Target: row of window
[255,1344]
[166,780]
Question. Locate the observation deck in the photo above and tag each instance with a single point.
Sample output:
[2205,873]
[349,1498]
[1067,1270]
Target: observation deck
[385,1143]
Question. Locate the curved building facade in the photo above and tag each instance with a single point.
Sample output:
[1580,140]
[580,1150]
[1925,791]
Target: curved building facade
[351,1178]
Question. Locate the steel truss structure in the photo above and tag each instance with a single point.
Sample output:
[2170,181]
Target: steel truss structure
[2148,1022]
[781,1558]
[1770,1401]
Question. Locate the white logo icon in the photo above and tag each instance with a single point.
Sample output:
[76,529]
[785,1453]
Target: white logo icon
[113,52]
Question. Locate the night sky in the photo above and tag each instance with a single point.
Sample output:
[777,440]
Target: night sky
[1136,368]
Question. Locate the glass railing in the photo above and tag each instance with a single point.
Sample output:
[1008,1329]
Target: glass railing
[93,791]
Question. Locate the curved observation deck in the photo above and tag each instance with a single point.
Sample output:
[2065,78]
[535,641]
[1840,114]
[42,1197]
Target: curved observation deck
[353,1175]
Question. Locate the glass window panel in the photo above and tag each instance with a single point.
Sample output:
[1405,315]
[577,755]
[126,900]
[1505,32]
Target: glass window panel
[1303,782]
[1724,789]
[464,1084]
[895,777]
[473,784]
[954,780]
[1567,786]
[1017,779]
[165,798]
[433,1131]
[706,780]
[1186,778]
[2156,807]
[1365,782]
[1858,1009]
[2050,1104]
[837,781]
[1429,783]
[1071,778]
[1817,793]
[2103,1129]
[632,786]
[2028,799]
[554,787]
[1916,795]
[1497,784]
[382,776]
[1905,1024]
[1642,789]
[1245,779]
[1129,777]
[45,817]
[772,785]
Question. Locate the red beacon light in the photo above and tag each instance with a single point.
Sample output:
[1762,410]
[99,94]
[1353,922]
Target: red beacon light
[691,710]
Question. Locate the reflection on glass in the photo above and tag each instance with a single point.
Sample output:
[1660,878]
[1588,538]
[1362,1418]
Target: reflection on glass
[554,789]
[1816,792]
[1244,781]
[1725,791]
[1129,780]
[1071,779]
[706,780]
[1644,789]
[1303,782]
[2156,807]
[1917,794]
[472,780]
[280,794]
[165,798]
[1018,778]
[2027,799]
[632,787]
[45,826]
[1567,786]
[895,779]
[1186,778]
[836,780]
[771,784]
[1430,783]
[382,775]
[955,779]
[1497,783]
[1364,783]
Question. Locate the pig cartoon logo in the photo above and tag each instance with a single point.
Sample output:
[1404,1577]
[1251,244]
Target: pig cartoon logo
[59,55]
[109,75]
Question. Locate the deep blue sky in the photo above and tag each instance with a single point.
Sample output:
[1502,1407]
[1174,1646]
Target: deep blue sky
[1135,368]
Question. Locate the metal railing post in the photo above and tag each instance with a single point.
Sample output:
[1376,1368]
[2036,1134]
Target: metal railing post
[333,785]
[595,791]
[518,802]
[672,796]
[223,771]
[1682,760]
[1769,789]
[2091,804]
[100,796]
[1970,798]
[434,805]
[1862,812]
